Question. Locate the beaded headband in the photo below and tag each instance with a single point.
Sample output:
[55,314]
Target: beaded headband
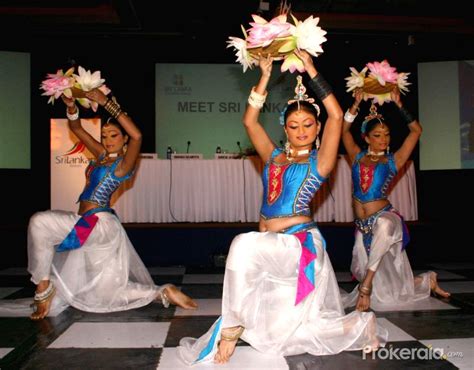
[373,114]
[301,95]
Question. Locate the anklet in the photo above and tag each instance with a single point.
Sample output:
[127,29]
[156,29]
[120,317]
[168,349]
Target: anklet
[231,334]
[45,294]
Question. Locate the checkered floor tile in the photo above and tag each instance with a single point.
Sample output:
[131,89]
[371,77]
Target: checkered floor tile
[146,338]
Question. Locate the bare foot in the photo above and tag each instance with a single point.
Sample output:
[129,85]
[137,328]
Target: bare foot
[43,306]
[435,288]
[178,298]
[225,350]
[229,338]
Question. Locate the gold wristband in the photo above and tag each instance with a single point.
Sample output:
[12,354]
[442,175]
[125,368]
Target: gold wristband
[113,108]
[365,289]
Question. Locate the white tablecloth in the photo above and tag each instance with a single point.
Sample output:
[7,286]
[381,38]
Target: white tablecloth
[230,190]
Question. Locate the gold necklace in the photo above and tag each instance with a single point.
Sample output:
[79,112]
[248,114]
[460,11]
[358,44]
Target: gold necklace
[298,154]
[375,156]
[109,156]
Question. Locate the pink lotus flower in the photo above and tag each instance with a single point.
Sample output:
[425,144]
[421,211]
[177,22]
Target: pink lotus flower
[383,72]
[263,33]
[57,84]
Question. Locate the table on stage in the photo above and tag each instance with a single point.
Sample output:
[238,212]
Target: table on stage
[230,190]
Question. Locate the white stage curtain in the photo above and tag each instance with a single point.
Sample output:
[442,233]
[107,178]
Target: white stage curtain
[230,190]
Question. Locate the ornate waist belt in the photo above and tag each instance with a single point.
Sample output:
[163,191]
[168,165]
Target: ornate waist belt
[366,225]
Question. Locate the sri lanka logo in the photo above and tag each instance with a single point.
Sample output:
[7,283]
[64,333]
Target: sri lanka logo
[77,148]
[70,158]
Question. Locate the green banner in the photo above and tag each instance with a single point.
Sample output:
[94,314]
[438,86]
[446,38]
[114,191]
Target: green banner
[204,104]
[15,110]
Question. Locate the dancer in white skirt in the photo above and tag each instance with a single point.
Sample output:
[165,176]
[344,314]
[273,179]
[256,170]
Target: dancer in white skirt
[379,259]
[280,292]
[86,258]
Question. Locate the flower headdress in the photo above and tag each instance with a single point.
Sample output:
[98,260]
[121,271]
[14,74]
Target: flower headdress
[73,86]
[373,114]
[279,39]
[300,95]
[382,79]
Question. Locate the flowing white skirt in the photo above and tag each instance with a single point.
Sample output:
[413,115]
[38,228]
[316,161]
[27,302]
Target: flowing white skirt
[104,275]
[393,285]
[259,294]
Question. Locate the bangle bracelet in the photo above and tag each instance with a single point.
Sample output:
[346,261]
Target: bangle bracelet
[365,290]
[113,108]
[72,116]
[349,117]
[406,115]
[320,87]
[256,100]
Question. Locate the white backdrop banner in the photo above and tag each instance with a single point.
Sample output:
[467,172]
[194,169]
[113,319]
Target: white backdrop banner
[69,159]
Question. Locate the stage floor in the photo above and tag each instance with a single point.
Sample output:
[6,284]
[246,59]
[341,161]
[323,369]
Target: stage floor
[146,338]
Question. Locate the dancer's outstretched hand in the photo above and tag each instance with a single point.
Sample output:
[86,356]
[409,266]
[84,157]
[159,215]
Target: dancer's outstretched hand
[266,64]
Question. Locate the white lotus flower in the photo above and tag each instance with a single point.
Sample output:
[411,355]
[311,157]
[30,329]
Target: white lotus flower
[402,82]
[356,79]
[309,36]
[243,56]
[88,81]
[379,98]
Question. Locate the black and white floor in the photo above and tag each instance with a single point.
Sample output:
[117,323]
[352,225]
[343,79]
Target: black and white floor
[438,334]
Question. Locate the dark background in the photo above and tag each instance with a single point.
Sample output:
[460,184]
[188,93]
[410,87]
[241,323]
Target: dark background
[124,40]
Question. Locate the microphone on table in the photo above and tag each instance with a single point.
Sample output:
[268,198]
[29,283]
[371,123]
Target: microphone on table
[238,144]
[187,150]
